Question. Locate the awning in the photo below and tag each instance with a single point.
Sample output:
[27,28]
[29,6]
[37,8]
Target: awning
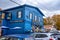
[19,35]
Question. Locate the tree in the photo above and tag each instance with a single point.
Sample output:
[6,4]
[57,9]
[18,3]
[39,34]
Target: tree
[47,21]
[58,25]
[56,19]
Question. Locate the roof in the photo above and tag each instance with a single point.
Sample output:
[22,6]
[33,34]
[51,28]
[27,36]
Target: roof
[22,7]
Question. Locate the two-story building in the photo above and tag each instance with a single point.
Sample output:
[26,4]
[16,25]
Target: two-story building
[21,19]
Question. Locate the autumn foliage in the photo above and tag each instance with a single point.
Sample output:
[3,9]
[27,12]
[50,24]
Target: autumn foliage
[54,19]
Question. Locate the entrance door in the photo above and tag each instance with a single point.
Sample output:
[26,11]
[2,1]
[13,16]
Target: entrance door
[0,26]
[2,16]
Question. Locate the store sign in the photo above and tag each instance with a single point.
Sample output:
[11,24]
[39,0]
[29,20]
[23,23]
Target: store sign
[16,21]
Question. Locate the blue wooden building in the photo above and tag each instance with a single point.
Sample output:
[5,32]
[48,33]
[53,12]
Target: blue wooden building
[21,19]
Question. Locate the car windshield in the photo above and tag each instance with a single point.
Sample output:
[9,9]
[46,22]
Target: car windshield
[40,36]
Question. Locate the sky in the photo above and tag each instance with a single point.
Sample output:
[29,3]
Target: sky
[48,7]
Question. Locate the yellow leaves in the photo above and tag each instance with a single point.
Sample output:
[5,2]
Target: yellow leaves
[55,19]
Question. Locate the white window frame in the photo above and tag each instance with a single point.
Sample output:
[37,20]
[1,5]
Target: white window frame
[19,14]
[9,16]
[31,15]
[39,19]
[35,18]
[3,15]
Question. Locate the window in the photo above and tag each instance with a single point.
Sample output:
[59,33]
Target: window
[41,36]
[35,18]
[39,19]
[19,14]
[9,16]
[3,15]
[30,15]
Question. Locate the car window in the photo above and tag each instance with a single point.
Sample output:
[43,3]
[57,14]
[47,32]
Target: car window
[40,36]
[54,34]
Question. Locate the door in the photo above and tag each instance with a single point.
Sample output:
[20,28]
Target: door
[0,25]
[2,16]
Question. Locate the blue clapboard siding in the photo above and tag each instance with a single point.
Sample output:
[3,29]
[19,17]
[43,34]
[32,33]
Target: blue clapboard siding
[26,24]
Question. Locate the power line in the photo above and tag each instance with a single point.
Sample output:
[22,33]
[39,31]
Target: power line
[15,2]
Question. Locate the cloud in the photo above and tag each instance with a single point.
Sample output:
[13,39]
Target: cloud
[5,4]
[50,13]
[48,7]
[53,6]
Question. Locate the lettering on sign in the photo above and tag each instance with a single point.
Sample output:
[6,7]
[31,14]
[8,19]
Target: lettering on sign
[14,21]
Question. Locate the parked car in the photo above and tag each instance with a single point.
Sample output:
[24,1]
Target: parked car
[13,38]
[4,38]
[56,35]
[18,37]
[44,36]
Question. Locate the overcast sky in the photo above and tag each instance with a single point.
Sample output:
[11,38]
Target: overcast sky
[48,7]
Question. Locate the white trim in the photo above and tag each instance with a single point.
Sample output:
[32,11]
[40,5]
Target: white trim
[19,14]
[30,15]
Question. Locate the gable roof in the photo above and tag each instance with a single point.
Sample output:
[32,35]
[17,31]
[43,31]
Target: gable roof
[24,6]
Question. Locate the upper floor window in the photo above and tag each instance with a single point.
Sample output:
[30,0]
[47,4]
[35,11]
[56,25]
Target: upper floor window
[3,15]
[31,15]
[9,16]
[39,19]
[35,18]
[19,14]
